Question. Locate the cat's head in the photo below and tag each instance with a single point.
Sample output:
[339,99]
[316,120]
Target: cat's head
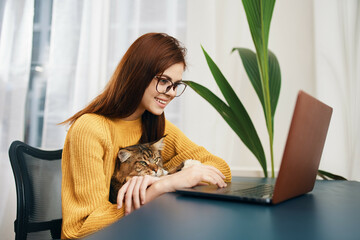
[142,159]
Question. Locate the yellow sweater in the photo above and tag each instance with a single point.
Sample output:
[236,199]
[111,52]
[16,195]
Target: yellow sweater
[88,162]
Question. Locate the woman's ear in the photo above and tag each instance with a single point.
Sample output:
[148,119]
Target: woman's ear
[123,155]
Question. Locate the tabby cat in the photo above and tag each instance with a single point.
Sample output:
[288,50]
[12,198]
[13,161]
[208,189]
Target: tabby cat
[140,160]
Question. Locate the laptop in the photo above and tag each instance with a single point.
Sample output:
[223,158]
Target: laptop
[299,165]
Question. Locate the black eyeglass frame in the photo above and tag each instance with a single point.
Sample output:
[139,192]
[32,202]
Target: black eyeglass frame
[173,85]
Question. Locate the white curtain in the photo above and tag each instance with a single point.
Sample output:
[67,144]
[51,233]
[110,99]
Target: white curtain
[337,44]
[15,62]
[77,62]
[88,40]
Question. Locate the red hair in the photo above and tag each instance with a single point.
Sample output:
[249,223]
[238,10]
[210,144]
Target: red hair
[150,55]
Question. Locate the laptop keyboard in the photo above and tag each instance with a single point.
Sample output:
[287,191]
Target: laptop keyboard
[259,191]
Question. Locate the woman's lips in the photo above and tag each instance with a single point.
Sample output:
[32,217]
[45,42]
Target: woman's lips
[161,102]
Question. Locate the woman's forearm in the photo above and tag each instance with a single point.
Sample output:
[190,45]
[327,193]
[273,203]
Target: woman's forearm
[158,188]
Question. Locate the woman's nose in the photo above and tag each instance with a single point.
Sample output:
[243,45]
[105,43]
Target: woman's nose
[172,92]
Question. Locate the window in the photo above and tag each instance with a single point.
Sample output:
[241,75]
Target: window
[2,7]
[34,113]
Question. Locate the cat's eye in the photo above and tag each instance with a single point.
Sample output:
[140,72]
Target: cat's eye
[143,163]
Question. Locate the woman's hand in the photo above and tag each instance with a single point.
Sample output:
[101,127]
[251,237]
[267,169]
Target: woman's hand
[133,192]
[192,176]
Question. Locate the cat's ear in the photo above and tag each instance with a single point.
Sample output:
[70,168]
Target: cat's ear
[123,155]
[160,144]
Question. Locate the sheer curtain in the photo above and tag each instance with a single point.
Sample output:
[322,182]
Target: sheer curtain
[88,40]
[76,66]
[337,44]
[15,59]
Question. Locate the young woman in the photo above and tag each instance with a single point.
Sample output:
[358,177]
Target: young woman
[129,111]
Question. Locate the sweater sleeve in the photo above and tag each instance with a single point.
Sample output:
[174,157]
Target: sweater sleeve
[179,148]
[85,187]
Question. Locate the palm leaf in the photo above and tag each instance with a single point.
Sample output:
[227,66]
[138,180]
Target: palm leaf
[274,82]
[249,61]
[326,175]
[259,14]
[242,127]
[225,88]
[224,110]
[251,66]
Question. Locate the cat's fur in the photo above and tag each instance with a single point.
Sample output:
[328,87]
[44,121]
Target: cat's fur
[140,160]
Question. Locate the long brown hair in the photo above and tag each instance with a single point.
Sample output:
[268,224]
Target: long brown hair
[150,55]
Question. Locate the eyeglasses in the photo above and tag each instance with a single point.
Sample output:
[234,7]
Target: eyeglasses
[164,85]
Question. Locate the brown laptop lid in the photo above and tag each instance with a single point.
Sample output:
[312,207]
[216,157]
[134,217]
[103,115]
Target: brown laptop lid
[303,149]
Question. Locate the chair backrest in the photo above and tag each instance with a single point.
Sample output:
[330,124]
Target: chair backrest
[38,187]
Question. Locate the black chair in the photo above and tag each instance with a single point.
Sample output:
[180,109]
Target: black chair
[38,187]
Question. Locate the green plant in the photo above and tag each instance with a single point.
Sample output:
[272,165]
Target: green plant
[263,71]
[329,176]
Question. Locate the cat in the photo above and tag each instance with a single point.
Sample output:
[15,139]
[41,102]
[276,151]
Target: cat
[140,160]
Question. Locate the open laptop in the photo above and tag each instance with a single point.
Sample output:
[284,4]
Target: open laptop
[299,165]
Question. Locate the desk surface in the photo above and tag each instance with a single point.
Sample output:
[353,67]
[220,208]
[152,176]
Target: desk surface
[330,211]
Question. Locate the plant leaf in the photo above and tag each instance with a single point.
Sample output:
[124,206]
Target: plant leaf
[249,61]
[243,126]
[224,110]
[326,175]
[259,14]
[231,97]
[274,82]
[225,88]
[248,58]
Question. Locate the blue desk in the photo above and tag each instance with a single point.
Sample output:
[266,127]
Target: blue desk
[330,211]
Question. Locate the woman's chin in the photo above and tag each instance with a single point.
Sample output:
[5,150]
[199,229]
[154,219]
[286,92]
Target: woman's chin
[157,112]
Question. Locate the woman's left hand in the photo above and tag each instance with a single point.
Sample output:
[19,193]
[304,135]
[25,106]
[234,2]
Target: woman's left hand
[133,192]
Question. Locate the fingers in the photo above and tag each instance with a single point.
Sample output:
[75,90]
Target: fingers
[143,187]
[129,195]
[215,180]
[147,181]
[135,195]
[210,174]
[133,192]
[121,194]
[216,176]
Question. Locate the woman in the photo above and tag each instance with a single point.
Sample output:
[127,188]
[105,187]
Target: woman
[129,111]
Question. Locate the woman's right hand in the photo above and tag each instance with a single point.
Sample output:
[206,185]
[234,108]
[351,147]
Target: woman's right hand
[133,192]
[193,176]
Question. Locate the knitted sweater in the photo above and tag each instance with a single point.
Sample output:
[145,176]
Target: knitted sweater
[88,162]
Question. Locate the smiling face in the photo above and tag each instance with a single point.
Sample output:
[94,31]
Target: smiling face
[155,102]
